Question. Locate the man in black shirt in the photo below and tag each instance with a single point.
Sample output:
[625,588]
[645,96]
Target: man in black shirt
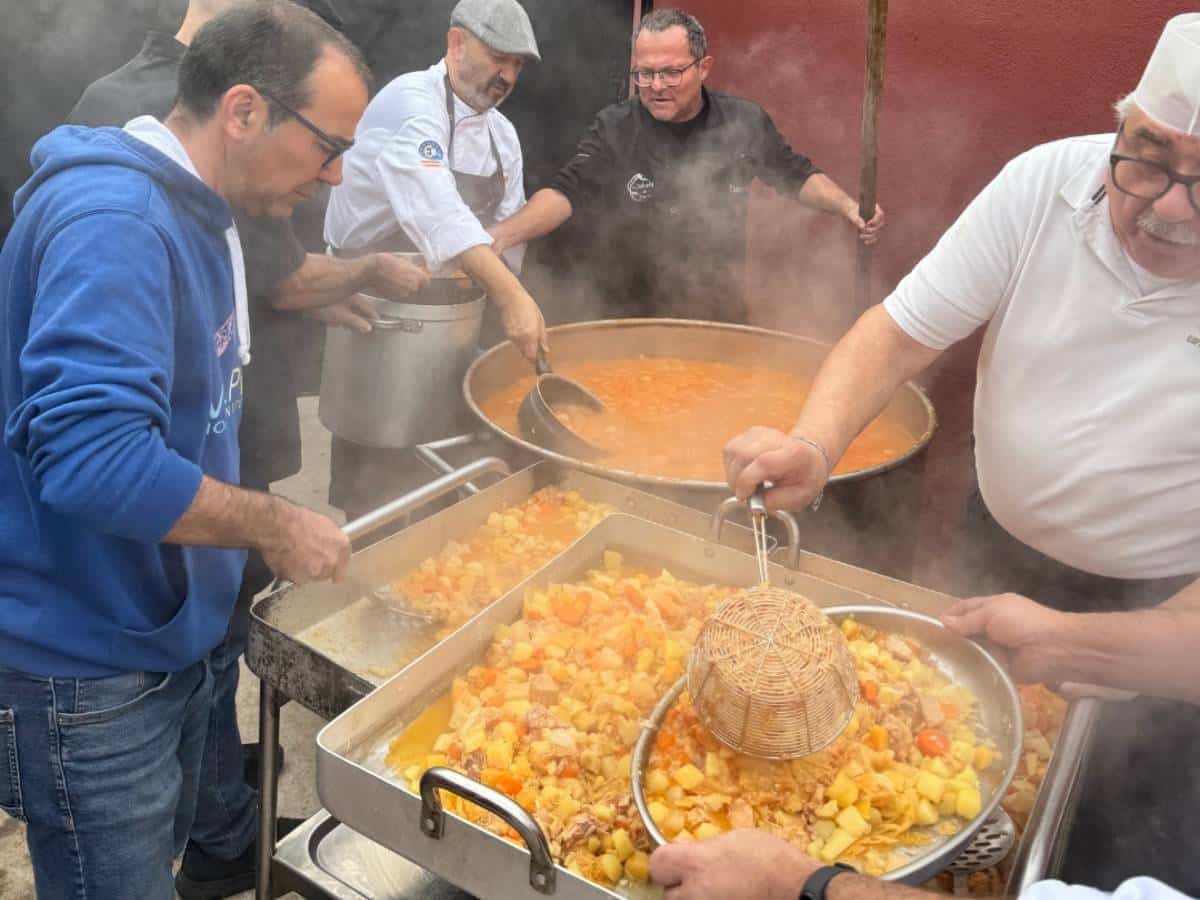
[281,279]
[662,182]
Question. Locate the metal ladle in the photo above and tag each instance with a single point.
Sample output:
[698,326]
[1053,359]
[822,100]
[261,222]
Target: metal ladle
[542,425]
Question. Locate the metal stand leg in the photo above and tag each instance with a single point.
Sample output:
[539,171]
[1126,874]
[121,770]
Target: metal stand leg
[268,786]
[428,454]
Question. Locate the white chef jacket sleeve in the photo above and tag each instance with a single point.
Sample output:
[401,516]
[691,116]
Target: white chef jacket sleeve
[514,193]
[959,284]
[1141,888]
[413,170]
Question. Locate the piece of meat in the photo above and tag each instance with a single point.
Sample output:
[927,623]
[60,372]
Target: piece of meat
[898,647]
[473,763]
[578,830]
[740,814]
[931,712]
[543,690]
[540,717]
[696,817]
[907,706]
[899,735]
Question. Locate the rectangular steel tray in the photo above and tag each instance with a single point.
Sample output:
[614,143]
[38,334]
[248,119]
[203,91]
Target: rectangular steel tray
[356,787]
[316,643]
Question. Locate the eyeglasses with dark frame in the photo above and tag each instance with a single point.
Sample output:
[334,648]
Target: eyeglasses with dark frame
[670,77]
[1148,180]
[336,145]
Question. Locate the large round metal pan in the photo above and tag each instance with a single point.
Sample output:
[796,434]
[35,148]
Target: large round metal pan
[962,661]
[502,365]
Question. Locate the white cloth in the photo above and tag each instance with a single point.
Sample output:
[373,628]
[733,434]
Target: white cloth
[1087,445]
[1169,91]
[398,172]
[1132,889]
[150,130]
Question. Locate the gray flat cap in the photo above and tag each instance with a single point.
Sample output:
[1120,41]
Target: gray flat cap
[501,24]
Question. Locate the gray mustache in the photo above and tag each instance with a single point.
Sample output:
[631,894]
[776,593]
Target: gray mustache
[1181,233]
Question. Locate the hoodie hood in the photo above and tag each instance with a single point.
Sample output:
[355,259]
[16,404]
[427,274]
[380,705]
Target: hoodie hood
[71,146]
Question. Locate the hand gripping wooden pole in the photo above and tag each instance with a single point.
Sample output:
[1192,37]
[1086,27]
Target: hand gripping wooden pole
[872,96]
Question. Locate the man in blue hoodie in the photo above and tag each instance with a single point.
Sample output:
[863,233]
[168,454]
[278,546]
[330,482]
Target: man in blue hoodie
[122,317]
[282,281]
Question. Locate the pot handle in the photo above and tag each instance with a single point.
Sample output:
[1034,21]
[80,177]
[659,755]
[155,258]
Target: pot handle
[413,326]
[731,504]
[433,819]
[452,481]
[541,362]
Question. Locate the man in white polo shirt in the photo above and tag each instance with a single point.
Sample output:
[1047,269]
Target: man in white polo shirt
[1082,262]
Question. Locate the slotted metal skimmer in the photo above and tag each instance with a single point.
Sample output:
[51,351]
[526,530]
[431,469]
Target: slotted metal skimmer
[989,846]
[770,675]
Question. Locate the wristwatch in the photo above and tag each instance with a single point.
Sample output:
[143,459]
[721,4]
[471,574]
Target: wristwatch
[814,887]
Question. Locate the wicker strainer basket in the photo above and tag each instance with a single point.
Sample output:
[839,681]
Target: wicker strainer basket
[770,675]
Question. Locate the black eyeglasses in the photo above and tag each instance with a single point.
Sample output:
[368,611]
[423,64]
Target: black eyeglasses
[336,145]
[1148,180]
[670,77]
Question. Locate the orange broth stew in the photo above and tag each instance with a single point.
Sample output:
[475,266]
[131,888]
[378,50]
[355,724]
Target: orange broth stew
[672,417]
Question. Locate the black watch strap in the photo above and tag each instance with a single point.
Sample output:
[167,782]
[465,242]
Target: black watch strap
[814,887]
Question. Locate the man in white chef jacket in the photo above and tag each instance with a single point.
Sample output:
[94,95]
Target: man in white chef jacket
[1081,261]
[434,165]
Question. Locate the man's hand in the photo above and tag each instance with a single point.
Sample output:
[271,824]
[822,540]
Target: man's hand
[868,232]
[745,864]
[523,322]
[1031,633]
[394,277]
[796,468]
[355,313]
[524,325]
[502,239]
[304,546]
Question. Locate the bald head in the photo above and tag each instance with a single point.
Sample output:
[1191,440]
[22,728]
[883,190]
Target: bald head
[209,8]
[199,12]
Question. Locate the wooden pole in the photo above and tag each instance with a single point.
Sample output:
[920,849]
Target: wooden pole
[873,94]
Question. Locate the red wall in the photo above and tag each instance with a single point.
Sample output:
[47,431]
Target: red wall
[967,85]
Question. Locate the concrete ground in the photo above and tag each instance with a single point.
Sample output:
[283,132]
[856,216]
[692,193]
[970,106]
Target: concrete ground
[298,728]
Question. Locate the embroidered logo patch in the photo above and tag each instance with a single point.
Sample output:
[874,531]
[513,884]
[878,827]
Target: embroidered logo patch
[431,151]
[224,336]
[640,188]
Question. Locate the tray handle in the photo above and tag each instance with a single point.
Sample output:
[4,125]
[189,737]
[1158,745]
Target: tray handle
[452,481]
[731,504]
[433,819]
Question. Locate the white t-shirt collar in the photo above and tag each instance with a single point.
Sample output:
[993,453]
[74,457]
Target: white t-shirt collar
[150,130]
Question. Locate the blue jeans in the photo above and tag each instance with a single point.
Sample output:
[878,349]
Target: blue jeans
[104,771]
[226,820]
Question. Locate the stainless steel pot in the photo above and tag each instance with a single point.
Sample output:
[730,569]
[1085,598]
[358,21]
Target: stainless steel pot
[864,520]
[399,385]
[685,339]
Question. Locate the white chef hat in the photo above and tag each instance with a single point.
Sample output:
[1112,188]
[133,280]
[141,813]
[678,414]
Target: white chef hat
[1169,91]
